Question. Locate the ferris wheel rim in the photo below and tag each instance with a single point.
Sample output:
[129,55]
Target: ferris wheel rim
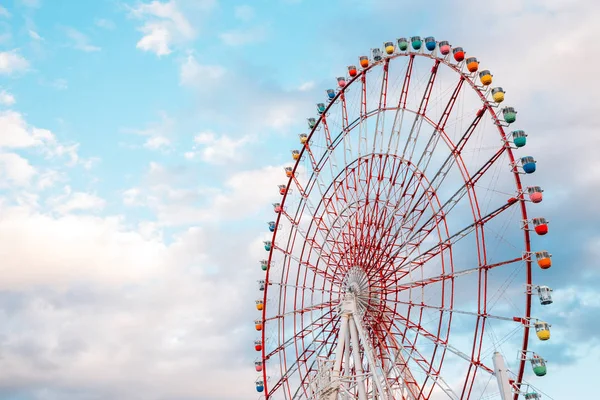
[486,105]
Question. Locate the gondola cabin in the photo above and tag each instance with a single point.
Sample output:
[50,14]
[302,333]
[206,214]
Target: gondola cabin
[258,345]
[545,295]
[282,189]
[268,245]
[260,305]
[260,385]
[416,42]
[535,194]
[519,138]
[330,94]
[532,396]
[445,47]
[261,285]
[258,366]
[295,154]
[498,94]
[320,108]
[264,264]
[341,81]
[472,64]
[377,56]
[430,43]
[528,164]
[459,54]
[402,44]
[277,208]
[289,171]
[258,325]
[540,225]
[271,226]
[538,365]
[312,123]
[542,330]
[485,77]
[364,61]
[352,71]
[303,138]
[509,114]
[544,258]
[389,48]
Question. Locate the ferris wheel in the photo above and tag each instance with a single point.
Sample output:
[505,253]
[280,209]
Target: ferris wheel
[399,263]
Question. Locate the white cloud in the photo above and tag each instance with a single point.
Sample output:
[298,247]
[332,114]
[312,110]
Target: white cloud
[306,86]
[105,23]
[244,12]
[192,73]
[158,134]
[71,248]
[12,61]
[18,134]
[15,169]
[31,3]
[240,37]
[80,40]
[48,179]
[4,12]
[131,196]
[6,99]
[76,201]
[217,150]
[34,35]
[164,26]
[59,84]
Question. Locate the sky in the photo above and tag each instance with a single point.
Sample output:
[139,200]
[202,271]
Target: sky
[140,147]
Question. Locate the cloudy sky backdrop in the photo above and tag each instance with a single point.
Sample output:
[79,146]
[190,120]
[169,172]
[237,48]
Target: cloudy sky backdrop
[140,146]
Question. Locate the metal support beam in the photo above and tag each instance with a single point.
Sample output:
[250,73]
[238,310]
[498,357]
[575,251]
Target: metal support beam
[501,373]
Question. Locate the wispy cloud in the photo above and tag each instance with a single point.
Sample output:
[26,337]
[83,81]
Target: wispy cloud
[240,37]
[4,12]
[158,134]
[34,35]
[105,23]
[244,13]
[31,3]
[6,99]
[80,40]
[193,73]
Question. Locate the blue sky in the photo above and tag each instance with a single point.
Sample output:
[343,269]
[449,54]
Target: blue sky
[140,146]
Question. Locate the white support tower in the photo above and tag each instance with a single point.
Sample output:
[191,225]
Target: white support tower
[502,377]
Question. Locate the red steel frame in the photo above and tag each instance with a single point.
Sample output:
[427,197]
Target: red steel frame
[339,247]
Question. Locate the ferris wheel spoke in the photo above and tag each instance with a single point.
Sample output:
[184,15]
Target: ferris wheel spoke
[422,332]
[431,145]
[442,245]
[401,286]
[420,360]
[415,129]
[305,309]
[420,234]
[380,121]
[304,356]
[397,365]
[454,311]
[399,110]
[314,326]
[309,288]
[440,176]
